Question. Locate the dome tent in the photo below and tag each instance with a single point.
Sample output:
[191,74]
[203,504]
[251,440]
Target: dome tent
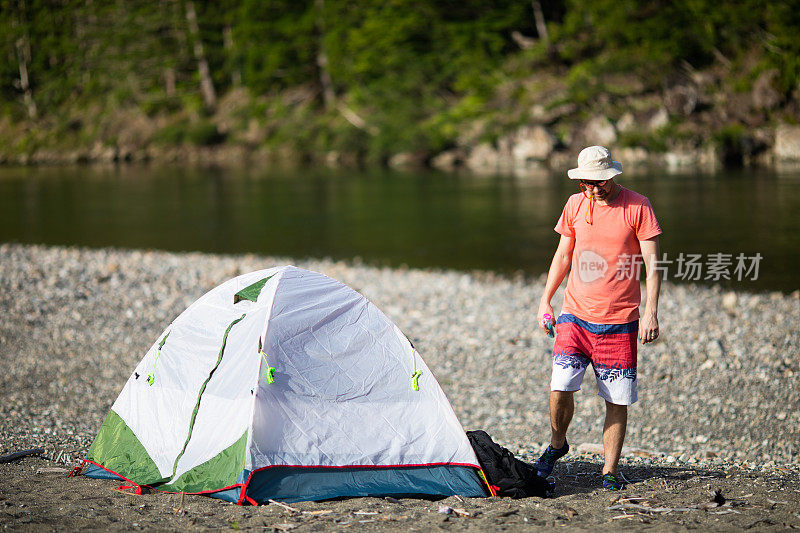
[285,384]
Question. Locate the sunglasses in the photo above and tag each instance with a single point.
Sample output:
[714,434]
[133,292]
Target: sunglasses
[592,183]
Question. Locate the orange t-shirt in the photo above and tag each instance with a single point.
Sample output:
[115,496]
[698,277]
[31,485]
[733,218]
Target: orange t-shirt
[603,284]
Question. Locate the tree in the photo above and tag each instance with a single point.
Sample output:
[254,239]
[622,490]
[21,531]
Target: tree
[206,83]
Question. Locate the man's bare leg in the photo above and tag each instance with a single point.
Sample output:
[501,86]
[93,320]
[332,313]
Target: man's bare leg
[613,435]
[562,407]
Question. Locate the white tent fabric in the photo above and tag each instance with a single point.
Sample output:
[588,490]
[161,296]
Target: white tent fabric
[347,397]
[342,394]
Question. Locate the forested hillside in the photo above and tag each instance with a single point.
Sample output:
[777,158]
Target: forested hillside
[395,80]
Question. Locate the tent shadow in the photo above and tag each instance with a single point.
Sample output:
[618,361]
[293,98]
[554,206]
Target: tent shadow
[580,477]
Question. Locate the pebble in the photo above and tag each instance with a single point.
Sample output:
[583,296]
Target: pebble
[729,302]
[76,322]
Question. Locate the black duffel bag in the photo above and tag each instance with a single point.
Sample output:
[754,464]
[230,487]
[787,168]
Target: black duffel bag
[508,475]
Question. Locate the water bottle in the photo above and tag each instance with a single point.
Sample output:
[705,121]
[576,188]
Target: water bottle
[547,322]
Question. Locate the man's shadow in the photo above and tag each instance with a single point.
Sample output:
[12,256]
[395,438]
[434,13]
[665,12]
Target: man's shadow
[580,477]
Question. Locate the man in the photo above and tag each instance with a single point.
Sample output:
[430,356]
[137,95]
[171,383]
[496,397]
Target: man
[607,232]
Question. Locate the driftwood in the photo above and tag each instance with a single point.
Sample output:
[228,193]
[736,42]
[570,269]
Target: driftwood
[52,470]
[20,454]
[179,510]
[356,120]
[646,509]
[287,507]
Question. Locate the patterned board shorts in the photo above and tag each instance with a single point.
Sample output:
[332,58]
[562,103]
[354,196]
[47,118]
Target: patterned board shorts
[611,350]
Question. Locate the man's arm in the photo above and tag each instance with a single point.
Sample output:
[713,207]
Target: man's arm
[559,267]
[648,324]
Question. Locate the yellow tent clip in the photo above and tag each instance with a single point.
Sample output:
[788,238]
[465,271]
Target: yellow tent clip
[270,369]
[414,377]
[151,377]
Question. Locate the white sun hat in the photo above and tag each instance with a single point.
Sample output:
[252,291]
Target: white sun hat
[595,163]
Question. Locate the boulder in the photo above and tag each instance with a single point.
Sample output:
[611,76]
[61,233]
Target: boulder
[407,160]
[600,130]
[681,99]
[448,160]
[548,115]
[764,94]
[787,142]
[332,158]
[658,120]
[680,159]
[632,155]
[103,153]
[626,122]
[483,157]
[532,144]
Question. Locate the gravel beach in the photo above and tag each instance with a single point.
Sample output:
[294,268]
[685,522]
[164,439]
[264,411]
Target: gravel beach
[719,393]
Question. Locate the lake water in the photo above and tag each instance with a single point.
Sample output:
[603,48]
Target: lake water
[420,219]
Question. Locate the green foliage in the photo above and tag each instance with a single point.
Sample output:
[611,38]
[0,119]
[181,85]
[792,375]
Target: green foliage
[782,43]
[201,133]
[160,104]
[662,139]
[585,82]
[274,43]
[656,35]
[27,143]
[732,143]
[730,139]
[172,134]
[204,133]
[443,128]
[416,72]
[654,141]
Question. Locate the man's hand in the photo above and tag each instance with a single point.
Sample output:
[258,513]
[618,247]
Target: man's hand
[545,309]
[648,328]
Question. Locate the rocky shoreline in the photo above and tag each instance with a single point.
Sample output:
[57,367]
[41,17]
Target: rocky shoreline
[719,391]
[530,150]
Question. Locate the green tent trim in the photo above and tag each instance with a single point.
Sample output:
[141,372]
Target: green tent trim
[118,450]
[250,292]
[219,472]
